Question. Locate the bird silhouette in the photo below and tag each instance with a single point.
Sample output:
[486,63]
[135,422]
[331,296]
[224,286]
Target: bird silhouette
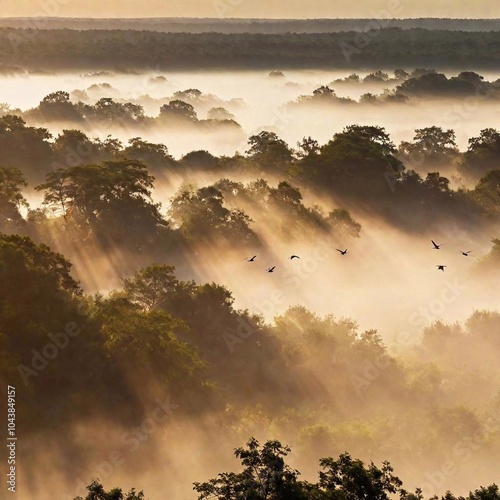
[343,252]
[436,246]
[465,254]
[441,268]
[271,269]
[294,257]
[252,259]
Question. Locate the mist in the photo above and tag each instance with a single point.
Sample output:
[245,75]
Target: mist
[310,324]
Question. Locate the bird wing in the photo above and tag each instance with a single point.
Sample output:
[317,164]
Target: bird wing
[434,243]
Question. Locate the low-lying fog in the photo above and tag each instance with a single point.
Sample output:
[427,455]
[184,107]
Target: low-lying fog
[392,275]
[388,280]
[257,101]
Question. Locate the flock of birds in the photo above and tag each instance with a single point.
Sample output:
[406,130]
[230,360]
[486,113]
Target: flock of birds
[440,267]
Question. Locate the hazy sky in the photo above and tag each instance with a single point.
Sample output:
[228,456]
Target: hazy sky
[253,8]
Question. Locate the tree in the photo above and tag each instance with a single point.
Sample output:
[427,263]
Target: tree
[73,147]
[269,150]
[482,155]
[200,160]
[201,214]
[96,492]
[343,224]
[178,110]
[308,147]
[112,199]
[487,192]
[11,199]
[220,114]
[152,287]
[25,148]
[357,162]
[108,110]
[378,76]
[324,92]
[431,146]
[36,280]
[148,341]
[349,479]
[401,74]
[155,156]
[57,106]
[265,476]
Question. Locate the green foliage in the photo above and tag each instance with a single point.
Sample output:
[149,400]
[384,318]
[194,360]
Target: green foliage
[111,200]
[96,492]
[11,200]
[482,155]
[349,479]
[487,193]
[269,151]
[131,49]
[265,476]
[201,215]
[25,148]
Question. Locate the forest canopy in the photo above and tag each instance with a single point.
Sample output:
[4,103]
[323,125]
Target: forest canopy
[125,50]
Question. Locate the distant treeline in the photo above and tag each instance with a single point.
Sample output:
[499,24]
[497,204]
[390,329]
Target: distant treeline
[131,50]
[269,26]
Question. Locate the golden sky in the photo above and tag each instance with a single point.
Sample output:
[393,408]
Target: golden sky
[253,8]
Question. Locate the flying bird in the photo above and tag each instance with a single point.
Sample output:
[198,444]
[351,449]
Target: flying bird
[436,246]
[343,252]
[294,257]
[271,269]
[252,259]
[465,254]
[441,268]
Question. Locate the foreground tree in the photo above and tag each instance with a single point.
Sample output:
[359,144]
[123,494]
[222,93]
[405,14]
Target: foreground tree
[96,491]
[265,476]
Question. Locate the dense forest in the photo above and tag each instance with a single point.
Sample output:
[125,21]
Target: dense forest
[231,25]
[227,368]
[251,259]
[128,50]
